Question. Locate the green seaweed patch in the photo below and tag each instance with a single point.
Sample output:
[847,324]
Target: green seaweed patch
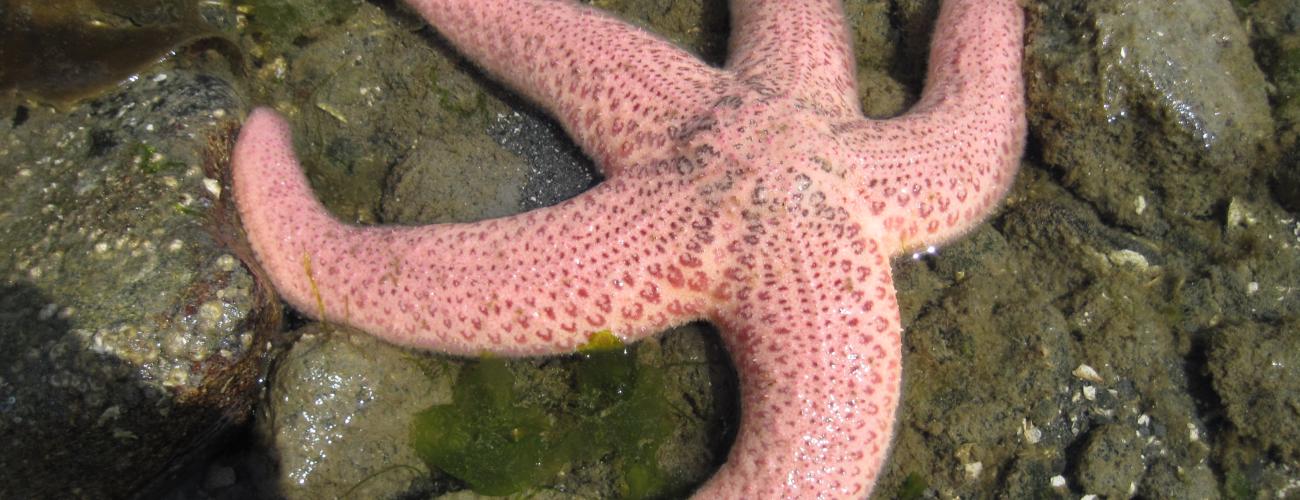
[461,103]
[913,487]
[280,23]
[1236,486]
[149,161]
[619,412]
[624,408]
[483,438]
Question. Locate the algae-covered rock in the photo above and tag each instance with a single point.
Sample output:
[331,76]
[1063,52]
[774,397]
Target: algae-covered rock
[131,333]
[1257,375]
[350,414]
[1112,463]
[1147,107]
[1276,37]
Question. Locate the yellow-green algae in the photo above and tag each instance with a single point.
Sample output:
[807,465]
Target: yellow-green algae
[498,445]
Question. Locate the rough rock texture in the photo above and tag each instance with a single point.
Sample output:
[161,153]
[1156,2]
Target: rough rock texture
[1130,242]
[1112,464]
[340,411]
[131,332]
[339,415]
[1258,382]
[1148,106]
[1276,39]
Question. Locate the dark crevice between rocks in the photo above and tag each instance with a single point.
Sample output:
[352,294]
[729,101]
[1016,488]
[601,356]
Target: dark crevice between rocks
[102,141]
[1075,454]
[1208,406]
[20,116]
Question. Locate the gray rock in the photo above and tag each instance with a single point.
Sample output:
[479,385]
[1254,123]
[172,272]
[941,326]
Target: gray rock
[426,186]
[339,414]
[342,404]
[132,334]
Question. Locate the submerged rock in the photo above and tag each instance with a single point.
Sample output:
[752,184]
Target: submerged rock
[350,414]
[1148,108]
[339,414]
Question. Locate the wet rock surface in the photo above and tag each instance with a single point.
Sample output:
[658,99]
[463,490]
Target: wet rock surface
[339,413]
[1141,225]
[1258,383]
[132,334]
[1074,328]
[1276,39]
[1112,463]
[1146,109]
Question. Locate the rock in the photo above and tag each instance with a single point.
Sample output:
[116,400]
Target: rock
[342,408]
[1127,242]
[1032,477]
[1147,107]
[133,336]
[1112,464]
[339,415]
[425,186]
[1257,375]
[1276,36]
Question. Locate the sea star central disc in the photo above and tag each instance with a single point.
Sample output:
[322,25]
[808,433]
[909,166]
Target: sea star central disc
[755,196]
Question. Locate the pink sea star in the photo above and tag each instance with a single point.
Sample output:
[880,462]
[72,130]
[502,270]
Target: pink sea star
[755,196]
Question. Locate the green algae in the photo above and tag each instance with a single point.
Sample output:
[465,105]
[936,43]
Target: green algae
[498,444]
[913,487]
[148,160]
[461,105]
[483,438]
[280,23]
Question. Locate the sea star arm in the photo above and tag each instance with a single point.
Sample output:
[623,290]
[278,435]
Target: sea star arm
[537,283]
[618,90]
[817,350]
[936,171]
[800,48]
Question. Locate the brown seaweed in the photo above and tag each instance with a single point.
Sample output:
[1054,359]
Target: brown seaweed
[63,51]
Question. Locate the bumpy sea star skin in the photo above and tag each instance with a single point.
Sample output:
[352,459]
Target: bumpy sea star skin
[755,196]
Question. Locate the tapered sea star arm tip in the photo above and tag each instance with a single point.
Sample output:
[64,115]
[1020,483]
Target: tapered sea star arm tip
[277,207]
[530,284]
